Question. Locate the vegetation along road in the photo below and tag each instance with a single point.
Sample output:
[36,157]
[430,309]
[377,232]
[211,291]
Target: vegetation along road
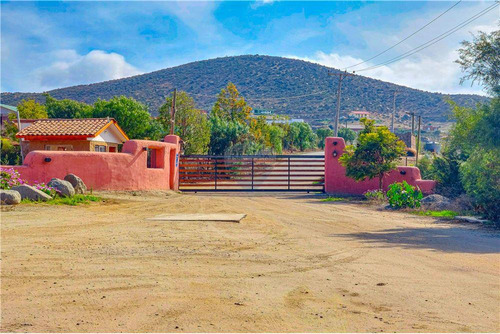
[295,263]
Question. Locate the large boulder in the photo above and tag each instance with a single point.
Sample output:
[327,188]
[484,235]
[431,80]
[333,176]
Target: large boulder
[31,193]
[64,188]
[10,197]
[462,203]
[435,202]
[77,183]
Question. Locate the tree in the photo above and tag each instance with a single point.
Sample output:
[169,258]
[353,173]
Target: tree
[348,135]
[322,133]
[376,153]
[132,116]
[301,136]
[191,124]
[230,105]
[10,153]
[480,176]
[480,61]
[155,131]
[66,108]
[475,145]
[30,109]
[227,136]
[276,135]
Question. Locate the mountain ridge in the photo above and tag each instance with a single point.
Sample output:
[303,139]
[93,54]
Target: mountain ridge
[292,87]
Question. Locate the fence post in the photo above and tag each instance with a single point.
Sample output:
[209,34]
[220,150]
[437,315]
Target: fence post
[288,173]
[215,159]
[252,171]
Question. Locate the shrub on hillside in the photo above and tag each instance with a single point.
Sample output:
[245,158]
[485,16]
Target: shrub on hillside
[402,195]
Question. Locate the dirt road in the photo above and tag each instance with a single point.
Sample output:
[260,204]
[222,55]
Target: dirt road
[293,264]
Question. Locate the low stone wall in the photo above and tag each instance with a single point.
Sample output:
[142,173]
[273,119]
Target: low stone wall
[109,171]
[336,182]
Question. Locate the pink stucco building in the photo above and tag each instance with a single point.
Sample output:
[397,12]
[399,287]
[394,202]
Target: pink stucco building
[142,165]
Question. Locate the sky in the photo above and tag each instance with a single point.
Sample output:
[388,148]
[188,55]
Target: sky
[47,45]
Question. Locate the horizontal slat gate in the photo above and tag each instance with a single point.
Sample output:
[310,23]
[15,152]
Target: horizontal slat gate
[252,173]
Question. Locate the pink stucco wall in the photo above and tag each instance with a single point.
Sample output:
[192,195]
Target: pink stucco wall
[109,171]
[337,183]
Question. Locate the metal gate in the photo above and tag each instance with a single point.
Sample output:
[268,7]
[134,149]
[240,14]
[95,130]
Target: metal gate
[252,173]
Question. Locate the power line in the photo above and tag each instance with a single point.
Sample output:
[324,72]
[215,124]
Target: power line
[432,41]
[407,37]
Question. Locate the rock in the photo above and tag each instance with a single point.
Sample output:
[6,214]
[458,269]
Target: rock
[77,183]
[64,188]
[462,203]
[435,202]
[470,219]
[31,193]
[10,197]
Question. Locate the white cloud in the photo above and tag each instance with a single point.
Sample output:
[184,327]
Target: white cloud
[260,3]
[70,68]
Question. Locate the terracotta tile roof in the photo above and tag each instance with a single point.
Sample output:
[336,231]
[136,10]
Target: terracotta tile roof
[65,127]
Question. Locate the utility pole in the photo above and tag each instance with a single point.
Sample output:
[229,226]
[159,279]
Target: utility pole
[418,140]
[20,139]
[172,113]
[342,76]
[412,123]
[393,111]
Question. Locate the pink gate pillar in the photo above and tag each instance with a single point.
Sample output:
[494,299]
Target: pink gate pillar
[336,182]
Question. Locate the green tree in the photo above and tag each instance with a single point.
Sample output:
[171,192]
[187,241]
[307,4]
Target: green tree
[348,135]
[231,105]
[30,109]
[445,170]
[191,124]
[228,136]
[480,176]
[474,144]
[301,136]
[376,153]
[155,131]
[276,135]
[480,61]
[322,133]
[10,153]
[132,116]
[66,108]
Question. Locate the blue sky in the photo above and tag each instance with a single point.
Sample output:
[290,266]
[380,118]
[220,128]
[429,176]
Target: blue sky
[47,45]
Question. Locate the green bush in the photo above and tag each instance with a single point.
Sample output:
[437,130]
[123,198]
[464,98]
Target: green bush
[403,195]
[481,180]
[446,171]
[375,195]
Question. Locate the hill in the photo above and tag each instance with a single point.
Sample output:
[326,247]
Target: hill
[286,86]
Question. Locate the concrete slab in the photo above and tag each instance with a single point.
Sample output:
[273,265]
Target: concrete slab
[216,217]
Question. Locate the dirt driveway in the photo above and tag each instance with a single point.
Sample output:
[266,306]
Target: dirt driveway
[294,264]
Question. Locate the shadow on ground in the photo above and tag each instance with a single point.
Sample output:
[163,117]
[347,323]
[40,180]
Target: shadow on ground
[450,239]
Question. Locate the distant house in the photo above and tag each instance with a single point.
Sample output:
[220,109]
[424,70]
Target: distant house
[359,114]
[284,121]
[430,128]
[87,134]
[5,111]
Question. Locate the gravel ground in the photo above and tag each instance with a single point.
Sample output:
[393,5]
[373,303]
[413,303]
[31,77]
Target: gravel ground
[293,264]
